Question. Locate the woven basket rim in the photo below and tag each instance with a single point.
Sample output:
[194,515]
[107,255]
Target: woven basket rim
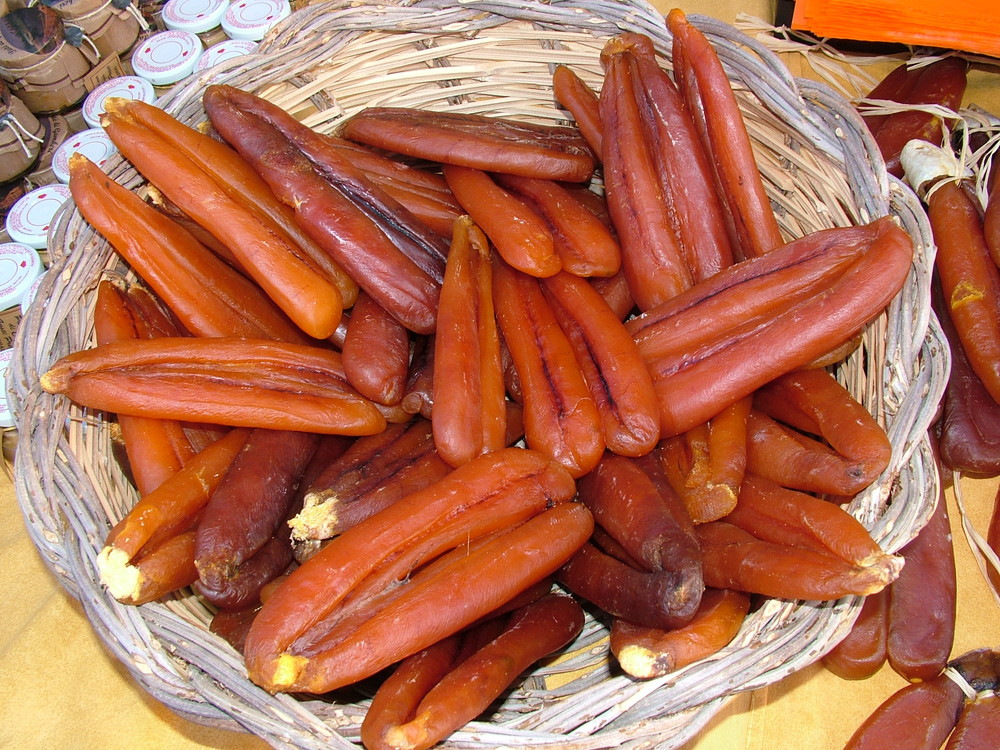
[61,485]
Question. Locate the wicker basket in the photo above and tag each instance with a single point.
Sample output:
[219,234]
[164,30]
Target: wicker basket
[327,61]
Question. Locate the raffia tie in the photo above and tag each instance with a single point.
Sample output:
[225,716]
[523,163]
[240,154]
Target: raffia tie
[20,132]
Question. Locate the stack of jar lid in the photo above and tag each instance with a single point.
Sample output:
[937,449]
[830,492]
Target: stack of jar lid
[201,33]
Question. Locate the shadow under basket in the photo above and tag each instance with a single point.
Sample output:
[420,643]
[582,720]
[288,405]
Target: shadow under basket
[330,60]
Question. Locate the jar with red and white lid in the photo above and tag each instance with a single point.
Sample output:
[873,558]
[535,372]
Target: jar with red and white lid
[20,266]
[227,50]
[29,219]
[252,19]
[93,143]
[124,87]
[167,57]
[201,17]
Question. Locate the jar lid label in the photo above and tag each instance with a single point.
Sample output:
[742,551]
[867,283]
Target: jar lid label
[29,219]
[19,267]
[251,19]
[225,51]
[193,15]
[93,143]
[125,87]
[167,56]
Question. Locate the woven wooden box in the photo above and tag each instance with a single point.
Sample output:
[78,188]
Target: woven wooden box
[331,59]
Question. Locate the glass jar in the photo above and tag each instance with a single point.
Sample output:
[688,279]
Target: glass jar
[30,218]
[93,143]
[20,266]
[167,57]
[252,19]
[201,17]
[227,50]
[126,87]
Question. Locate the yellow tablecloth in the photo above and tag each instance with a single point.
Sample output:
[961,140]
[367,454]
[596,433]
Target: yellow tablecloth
[60,688]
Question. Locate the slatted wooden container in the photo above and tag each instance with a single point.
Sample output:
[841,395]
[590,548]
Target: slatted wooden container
[331,59]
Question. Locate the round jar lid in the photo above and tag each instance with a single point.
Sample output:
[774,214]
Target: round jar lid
[19,267]
[251,19]
[193,15]
[225,51]
[167,57]
[6,417]
[93,143]
[29,219]
[126,87]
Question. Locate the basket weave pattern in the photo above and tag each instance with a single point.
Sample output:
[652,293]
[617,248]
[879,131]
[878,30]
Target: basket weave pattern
[328,61]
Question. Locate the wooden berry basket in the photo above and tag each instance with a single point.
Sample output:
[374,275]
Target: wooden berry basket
[496,57]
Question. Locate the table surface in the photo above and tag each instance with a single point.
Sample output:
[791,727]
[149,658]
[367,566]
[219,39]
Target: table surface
[62,688]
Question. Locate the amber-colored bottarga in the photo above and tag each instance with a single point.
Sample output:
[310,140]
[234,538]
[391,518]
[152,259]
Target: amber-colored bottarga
[226,381]
[150,552]
[686,173]
[968,429]
[573,93]
[941,83]
[156,448]
[650,652]
[694,387]
[741,295]
[862,652]
[237,177]
[652,258]
[607,355]
[246,515]
[376,352]
[517,230]
[919,716]
[423,193]
[970,279]
[419,396]
[644,565]
[334,221]
[923,601]
[437,691]
[373,473]
[708,92]
[814,402]
[584,244]
[470,414]
[978,724]
[490,144]
[338,167]
[736,559]
[706,464]
[785,516]
[265,250]
[925,714]
[561,418]
[991,219]
[208,297]
[488,530]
